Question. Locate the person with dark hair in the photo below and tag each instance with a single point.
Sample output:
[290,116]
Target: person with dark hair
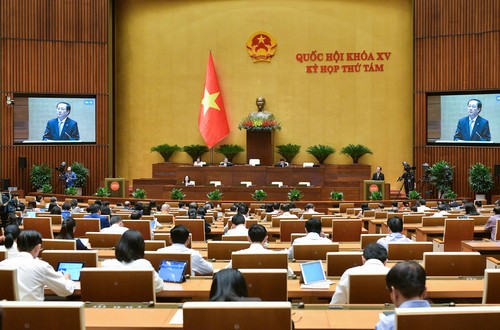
[314,235]
[378,175]
[395,225]
[51,206]
[69,178]
[179,236]
[129,253]
[116,227]
[443,209]
[74,206]
[33,274]
[191,213]
[238,227]
[62,127]
[364,207]
[309,209]
[228,285]
[135,215]
[56,210]
[473,127]
[285,209]
[406,284]
[282,163]
[68,226]
[66,210]
[105,210]
[225,162]
[95,212]
[11,233]
[423,206]
[470,209]
[181,205]
[491,224]
[374,260]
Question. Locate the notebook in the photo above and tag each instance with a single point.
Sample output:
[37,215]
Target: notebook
[314,275]
[73,268]
[173,270]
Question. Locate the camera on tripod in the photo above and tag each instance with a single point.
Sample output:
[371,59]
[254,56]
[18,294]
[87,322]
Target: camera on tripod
[60,168]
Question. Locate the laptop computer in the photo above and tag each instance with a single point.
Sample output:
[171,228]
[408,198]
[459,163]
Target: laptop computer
[71,267]
[173,271]
[314,275]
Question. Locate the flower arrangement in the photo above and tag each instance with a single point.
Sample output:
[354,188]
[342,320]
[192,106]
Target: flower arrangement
[251,123]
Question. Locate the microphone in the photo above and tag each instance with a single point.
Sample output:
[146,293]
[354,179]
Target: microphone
[68,135]
[480,137]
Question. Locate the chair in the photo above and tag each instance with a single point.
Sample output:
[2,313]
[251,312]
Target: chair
[368,289]
[196,227]
[84,225]
[117,285]
[313,251]
[432,221]
[380,214]
[408,250]
[54,257]
[260,260]
[222,250]
[59,244]
[344,206]
[103,240]
[234,238]
[338,262]
[164,218]
[346,230]
[3,255]
[216,315]
[153,245]
[8,289]
[276,220]
[370,238]
[287,227]
[412,218]
[267,284]
[455,231]
[480,220]
[54,315]
[491,291]
[250,222]
[454,264]
[306,216]
[155,258]
[166,238]
[41,225]
[142,226]
[56,218]
[497,232]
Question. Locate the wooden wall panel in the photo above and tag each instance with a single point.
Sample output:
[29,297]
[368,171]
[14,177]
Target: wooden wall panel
[456,48]
[54,47]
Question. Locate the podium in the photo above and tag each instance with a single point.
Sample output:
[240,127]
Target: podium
[260,145]
[372,185]
[118,187]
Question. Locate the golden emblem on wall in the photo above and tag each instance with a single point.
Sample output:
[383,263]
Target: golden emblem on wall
[261,46]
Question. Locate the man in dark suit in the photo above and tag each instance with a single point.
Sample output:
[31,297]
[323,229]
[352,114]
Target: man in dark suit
[378,175]
[473,127]
[62,127]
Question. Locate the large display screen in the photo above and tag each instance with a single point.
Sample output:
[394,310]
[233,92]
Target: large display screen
[463,118]
[54,119]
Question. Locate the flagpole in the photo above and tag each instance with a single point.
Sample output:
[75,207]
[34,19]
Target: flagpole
[212,155]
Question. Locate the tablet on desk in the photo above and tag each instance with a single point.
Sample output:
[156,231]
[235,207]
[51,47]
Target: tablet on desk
[73,268]
[173,270]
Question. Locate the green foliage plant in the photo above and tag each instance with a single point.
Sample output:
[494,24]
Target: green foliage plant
[139,193]
[337,196]
[40,175]
[229,150]
[320,152]
[295,195]
[47,188]
[480,178]
[356,151]
[177,194]
[82,174]
[259,195]
[195,150]
[166,150]
[214,195]
[70,191]
[375,196]
[102,192]
[413,194]
[288,151]
[441,175]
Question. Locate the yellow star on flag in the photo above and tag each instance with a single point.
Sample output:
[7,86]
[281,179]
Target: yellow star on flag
[209,101]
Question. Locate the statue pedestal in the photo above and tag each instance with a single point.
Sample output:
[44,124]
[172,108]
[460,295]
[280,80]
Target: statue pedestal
[260,145]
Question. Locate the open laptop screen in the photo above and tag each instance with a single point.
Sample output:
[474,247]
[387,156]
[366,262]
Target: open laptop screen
[172,270]
[312,272]
[73,268]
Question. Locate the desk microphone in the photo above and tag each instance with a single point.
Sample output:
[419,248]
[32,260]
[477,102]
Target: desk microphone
[68,135]
[480,137]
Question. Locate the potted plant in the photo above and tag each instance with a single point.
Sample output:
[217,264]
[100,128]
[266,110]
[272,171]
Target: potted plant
[195,150]
[288,151]
[375,196]
[295,195]
[480,180]
[166,150]
[413,194]
[102,192]
[441,176]
[450,194]
[214,195]
[47,188]
[336,196]
[229,150]
[82,174]
[139,193]
[356,151]
[177,194]
[259,195]
[40,175]
[320,152]
[71,191]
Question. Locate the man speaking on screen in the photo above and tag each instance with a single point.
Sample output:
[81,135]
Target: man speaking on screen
[473,127]
[62,127]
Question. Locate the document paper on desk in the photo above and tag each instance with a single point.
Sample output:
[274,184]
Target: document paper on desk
[314,276]
[177,318]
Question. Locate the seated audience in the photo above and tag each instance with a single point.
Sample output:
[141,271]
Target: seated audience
[395,225]
[228,285]
[285,208]
[68,227]
[116,227]
[74,206]
[135,215]
[470,209]
[95,213]
[282,163]
[423,207]
[491,224]
[443,209]
[406,284]
[314,235]
[11,233]
[179,236]
[310,209]
[165,209]
[34,274]
[364,207]
[199,162]
[238,227]
[394,207]
[129,253]
[55,210]
[374,260]
[66,210]
[225,162]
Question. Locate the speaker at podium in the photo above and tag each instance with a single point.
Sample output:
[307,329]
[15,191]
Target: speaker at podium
[117,187]
[373,185]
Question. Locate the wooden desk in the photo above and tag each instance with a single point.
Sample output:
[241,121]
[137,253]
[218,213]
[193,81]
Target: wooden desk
[428,233]
[486,248]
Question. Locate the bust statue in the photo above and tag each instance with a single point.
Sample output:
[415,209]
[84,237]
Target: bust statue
[260,113]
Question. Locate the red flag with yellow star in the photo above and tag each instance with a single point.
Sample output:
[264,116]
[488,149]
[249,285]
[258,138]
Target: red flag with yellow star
[212,121]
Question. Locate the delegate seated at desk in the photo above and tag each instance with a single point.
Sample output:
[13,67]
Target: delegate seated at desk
[225,162]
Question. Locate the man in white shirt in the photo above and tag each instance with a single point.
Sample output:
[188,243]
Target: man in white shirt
[238,227]
[116,226]
[34,274]
[374,260]
[309,209]
[285,208]
[422,207]
[395,225]
[179,236]
[314,235]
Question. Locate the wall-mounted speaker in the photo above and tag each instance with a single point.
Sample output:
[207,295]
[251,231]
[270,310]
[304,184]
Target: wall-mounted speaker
[22,162]
[497,170]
